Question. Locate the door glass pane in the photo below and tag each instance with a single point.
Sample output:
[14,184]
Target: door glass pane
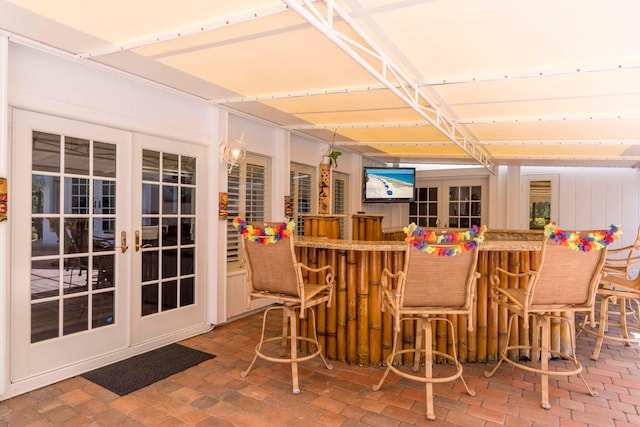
[76,156]
[169,199]
[188,170]
[170,167]
[72,233]
[45,152]
[150,165]
[187,201]
[149,299]
[44,320]
[150,200]
[103,309]
[104,159]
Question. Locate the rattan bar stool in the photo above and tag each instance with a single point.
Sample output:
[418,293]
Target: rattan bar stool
[565,282]
[617,288]
[428,288]
[274,273]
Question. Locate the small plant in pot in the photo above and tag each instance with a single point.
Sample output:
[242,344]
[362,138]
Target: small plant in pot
[331,156]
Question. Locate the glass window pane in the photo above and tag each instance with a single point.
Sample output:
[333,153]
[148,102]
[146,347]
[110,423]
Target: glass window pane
[188,231]
[169,199]
[186,261]
[169,167]
[44,236]
[76,156]
[44,321]
[169,263]
[150,165]
[104,197]
[104,238]
[454,193]
[45,194]
[46,152]
[75,315]
[150,233]
[76,235]
[169,295]
[76,195]
[149,299]
[75,275]
[102,274]
[103,312]
[104,159]
[187,292]
[45,279]
[150,266]
[188,170]
[169,231]
[187,201]
[150,201]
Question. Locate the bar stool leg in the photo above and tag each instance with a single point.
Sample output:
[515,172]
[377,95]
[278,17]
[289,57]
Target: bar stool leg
[428,367]
[602,327]
[418,344]
[293,321]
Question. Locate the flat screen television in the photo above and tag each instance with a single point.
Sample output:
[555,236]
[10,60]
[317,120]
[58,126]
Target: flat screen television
[388,184]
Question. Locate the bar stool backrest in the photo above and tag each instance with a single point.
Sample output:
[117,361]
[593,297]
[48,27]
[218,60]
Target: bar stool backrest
[271,267]
[439,281]
[566,276]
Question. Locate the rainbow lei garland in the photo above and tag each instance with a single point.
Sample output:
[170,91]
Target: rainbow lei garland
[593,241]
[466,240]
[265,235]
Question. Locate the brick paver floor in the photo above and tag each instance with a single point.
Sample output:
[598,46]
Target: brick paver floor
[214,394]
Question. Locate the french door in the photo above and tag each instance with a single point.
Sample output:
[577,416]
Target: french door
[451,203]
[105,254]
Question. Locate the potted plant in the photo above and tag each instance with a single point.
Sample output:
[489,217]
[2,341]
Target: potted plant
[331,156]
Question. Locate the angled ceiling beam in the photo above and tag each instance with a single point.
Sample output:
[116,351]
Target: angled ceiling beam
[357,125]
[401,85]
[187,31]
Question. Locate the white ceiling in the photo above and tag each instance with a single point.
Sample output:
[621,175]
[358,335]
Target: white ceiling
[543,82]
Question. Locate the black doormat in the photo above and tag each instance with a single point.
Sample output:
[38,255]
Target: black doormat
[139,371]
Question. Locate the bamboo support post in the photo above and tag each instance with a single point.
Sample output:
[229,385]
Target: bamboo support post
[362,301]
[341,306]
[375,311]
[482,310]
[352,330]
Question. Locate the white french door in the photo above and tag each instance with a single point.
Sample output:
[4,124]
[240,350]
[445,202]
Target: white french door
[106,254]
[169,232]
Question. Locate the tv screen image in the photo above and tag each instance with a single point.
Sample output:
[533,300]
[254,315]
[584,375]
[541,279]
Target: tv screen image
[388,184]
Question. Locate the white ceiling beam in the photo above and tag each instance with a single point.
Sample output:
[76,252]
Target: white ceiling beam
[400,85]
[357,125]
[300,94]
[511,120]
[532,74]
[187,31]
[563,142]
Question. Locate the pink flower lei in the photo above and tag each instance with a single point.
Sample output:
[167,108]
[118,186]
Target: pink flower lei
[421,238]
[264,235]
[594,240]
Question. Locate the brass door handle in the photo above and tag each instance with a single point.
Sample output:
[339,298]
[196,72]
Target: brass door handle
[123,242]
[137,239]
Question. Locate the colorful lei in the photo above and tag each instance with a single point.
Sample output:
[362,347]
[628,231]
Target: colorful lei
[595,240]
[422,239]
[264,235]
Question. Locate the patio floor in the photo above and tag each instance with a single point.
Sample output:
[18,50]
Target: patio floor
[214,394]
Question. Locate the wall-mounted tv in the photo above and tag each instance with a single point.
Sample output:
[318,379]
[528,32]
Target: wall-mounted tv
[388,185]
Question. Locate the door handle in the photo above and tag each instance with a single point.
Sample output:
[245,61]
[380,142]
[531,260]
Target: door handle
[137,239]
[123,242]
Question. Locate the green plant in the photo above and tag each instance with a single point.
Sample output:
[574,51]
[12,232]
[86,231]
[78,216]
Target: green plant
[333,156]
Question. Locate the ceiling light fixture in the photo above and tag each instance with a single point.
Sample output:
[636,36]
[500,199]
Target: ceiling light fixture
[232,152]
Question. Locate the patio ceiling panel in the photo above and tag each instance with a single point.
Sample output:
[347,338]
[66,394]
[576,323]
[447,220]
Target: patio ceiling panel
[507,75]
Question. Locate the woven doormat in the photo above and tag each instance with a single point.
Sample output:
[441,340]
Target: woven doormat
[139,371]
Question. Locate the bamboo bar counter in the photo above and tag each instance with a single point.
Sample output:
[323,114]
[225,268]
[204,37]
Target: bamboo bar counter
[356,331]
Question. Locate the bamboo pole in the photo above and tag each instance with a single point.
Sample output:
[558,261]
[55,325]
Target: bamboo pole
[375,308]
[503,315]
[514,267]
[332,310]
[321,309]
[352,317]
[341,306]
[362,308]
[482,310]
[493,314]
